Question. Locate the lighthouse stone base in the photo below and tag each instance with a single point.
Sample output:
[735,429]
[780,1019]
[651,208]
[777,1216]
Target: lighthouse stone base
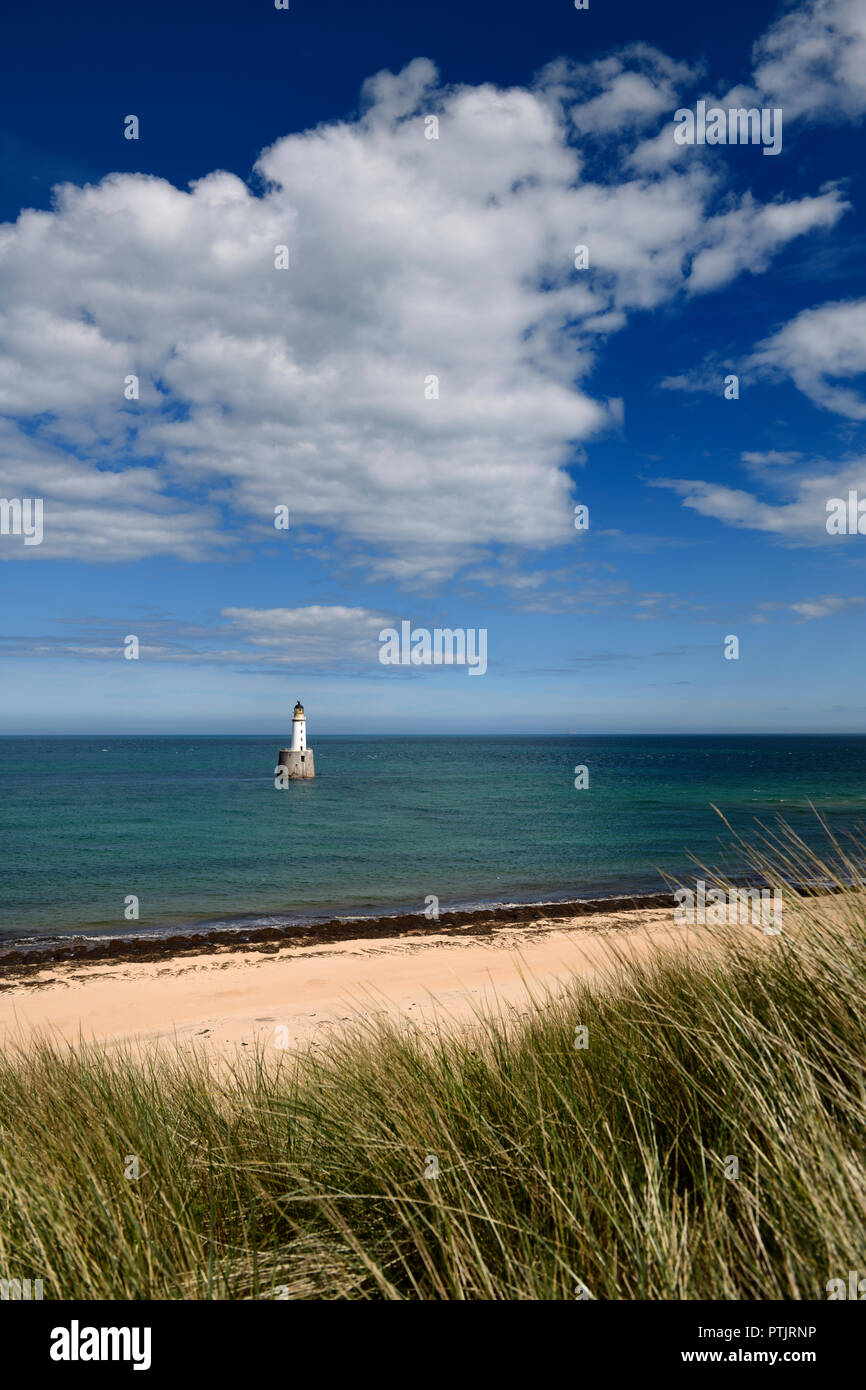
[297,764]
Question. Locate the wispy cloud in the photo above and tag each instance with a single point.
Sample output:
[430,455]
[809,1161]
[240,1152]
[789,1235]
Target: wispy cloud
[816,350]
[797,512]
[809,609]
[315,638]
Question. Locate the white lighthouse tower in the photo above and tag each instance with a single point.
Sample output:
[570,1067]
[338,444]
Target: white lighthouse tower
[298,760]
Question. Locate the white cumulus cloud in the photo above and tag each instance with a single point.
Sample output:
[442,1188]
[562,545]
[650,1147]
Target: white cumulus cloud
[311,387]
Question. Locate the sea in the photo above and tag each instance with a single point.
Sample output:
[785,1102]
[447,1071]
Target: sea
[192,832]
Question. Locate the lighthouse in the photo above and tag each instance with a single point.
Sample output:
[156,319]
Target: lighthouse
[298,760]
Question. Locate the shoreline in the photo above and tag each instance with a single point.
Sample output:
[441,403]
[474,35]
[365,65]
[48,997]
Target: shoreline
[26,956]
[284,991]
[239,999]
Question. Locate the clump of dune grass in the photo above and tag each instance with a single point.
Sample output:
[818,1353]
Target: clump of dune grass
[606,1168]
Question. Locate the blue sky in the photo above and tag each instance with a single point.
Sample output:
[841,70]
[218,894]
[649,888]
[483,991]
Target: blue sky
[304,387]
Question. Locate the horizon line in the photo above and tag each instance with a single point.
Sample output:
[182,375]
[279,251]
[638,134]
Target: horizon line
[565,733]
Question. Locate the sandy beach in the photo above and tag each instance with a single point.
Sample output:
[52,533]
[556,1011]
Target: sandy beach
[294,995]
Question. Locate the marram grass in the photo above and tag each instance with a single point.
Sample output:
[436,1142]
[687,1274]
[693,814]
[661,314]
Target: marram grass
[559,1167]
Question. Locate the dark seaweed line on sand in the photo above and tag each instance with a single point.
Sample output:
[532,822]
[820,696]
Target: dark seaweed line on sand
[476,922]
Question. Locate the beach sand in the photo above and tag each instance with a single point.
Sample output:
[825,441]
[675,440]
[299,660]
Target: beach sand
[238,998]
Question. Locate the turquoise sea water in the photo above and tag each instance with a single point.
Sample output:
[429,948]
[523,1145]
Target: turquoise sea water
[196,830]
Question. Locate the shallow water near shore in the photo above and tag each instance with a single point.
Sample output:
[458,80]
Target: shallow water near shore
[195,829]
